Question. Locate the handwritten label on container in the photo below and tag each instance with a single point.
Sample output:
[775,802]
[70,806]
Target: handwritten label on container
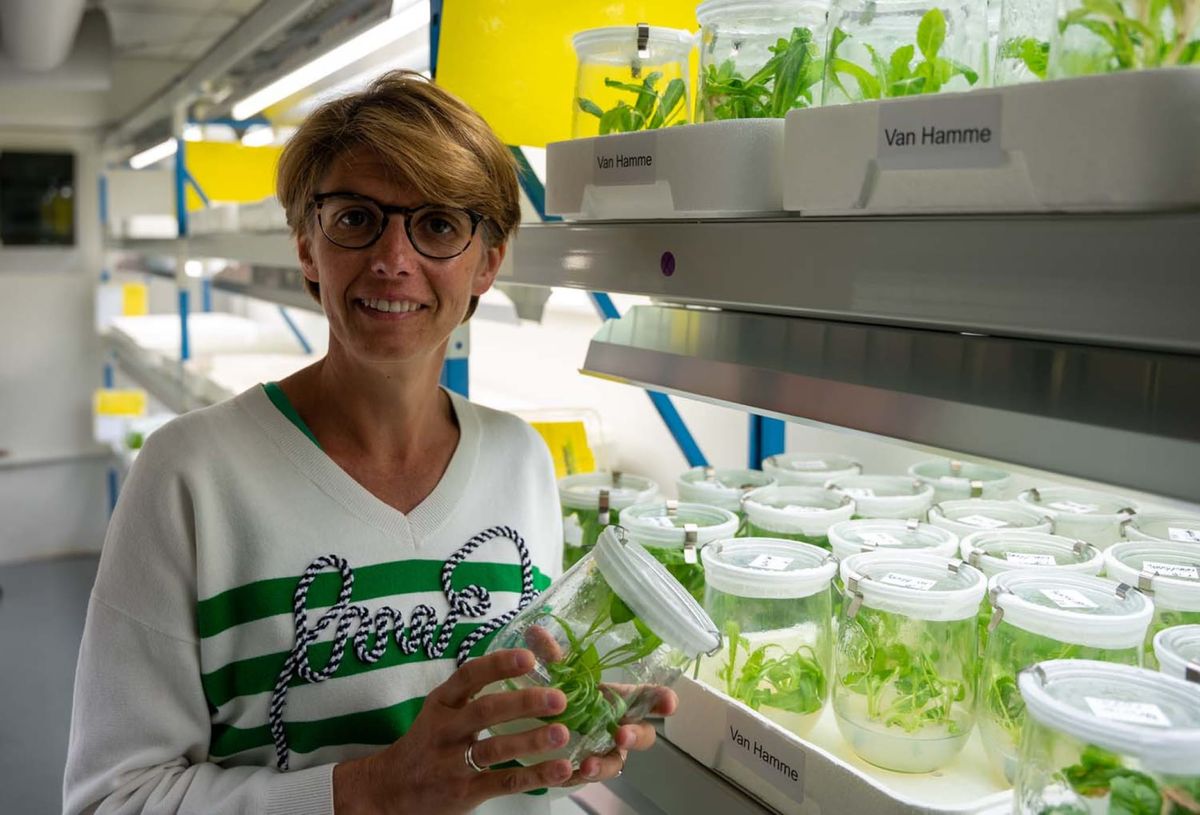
[880,539]
[809,465]
[859,492]
[771,563]
[906,581]
[1068,598]
[1072,506]
[628,160]
[1028,559]
[1118,710]
[797,508]
[952,132]
[1183,535]
[982,522]
[764,752]
[1171,570]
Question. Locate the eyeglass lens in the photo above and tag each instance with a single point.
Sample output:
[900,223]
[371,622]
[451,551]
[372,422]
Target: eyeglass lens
[436,231]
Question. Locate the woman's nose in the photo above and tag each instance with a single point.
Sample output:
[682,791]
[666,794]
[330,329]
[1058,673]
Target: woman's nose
[394,253]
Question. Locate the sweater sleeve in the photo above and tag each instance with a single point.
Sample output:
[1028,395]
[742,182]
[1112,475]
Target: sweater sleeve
[140,725]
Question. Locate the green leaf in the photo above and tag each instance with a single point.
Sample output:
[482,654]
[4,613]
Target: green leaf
[619,612]
[931,33]
[647,96]
[588,106]
[672,99]
[867,84]
[898,66]
[881,67]
[1134,796]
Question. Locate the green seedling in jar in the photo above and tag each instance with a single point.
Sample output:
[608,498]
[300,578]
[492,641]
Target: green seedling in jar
[591,523]
[1100,774]
[784,82]
[1153,34]
[772,677]
[691,575]
[1032,52]
[649,110]
[910,70]
[1165,618]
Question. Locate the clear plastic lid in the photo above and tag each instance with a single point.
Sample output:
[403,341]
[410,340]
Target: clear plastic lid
[1074,608]
[619,44]
[1006,549]
[720,488]
[974,480]
[1078,504]
[915,584]
[666,523]
[779,14]
[654,595]
[1178,651]
[806,510]
[582,491]
[767,568]
[1170,572]
[813,469]
[1164,527]
[865,535]
[886,496]
[1129,711]
[969,515]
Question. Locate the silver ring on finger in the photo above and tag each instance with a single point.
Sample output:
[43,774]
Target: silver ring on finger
[621,755]
[469,757]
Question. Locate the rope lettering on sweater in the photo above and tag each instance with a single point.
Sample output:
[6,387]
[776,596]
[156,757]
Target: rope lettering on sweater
[422,634]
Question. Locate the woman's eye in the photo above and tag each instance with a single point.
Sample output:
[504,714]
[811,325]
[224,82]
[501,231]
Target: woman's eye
[353,218]
[439,226]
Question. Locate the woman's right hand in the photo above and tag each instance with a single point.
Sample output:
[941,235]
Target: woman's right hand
[426,769]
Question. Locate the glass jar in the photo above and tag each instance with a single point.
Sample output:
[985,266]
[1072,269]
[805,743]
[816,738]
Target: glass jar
[809,469]
[865,535]
[795,513]
[770,599]
[1168,572]
[759,58]
[1121,35]
[1177,650]
[952,479]
[886,496]
[1046,614]
[973,515]
[722,488]
[879,49]
[1163,527]
[591,501]
[1022,52]
[1102,738]
[905,659]
[630,78]
[607,634]
[1096,517]
[674,533]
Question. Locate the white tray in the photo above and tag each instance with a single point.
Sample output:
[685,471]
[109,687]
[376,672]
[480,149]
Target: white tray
[715,169]
[1120,142]
[829,777]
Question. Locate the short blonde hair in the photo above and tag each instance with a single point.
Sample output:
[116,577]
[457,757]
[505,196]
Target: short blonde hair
[426,137]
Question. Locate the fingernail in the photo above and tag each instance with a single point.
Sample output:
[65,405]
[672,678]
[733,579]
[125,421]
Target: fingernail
[593,773]
[562,772]
[558,736]
[555,700]
[520,662]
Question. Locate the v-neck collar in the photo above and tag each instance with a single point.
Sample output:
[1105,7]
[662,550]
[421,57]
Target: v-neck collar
[324,472]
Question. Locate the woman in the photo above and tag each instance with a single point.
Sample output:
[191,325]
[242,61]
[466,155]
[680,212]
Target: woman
[292,578]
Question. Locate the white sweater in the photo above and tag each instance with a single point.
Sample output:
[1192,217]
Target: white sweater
[231,518]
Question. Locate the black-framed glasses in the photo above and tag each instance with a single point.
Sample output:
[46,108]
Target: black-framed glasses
[354,221]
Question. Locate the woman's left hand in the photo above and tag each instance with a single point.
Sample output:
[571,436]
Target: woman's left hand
[634,737]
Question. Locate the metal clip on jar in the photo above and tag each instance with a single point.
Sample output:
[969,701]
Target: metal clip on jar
[1096,517]
[971,515]
[674,533]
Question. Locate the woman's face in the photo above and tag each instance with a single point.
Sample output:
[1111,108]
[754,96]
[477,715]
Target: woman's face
[361,287]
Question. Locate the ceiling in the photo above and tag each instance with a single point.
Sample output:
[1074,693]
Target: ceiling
[180,30]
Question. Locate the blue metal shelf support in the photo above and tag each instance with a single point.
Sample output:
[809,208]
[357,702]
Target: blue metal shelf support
[767,438]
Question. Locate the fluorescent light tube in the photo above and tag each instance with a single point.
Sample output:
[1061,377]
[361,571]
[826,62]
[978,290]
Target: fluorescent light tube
[385,33]
[258,137]
[156,153]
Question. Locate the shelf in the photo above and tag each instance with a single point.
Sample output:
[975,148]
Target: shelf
[163,381]
[1117,280]
[1119,416]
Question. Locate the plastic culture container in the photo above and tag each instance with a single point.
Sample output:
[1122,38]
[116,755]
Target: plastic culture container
[1178,652]
[759,58]
[591,501]
[905,659]
[616,617]
[1103,738]
[720,488]
[1168,572]
[1163,527]
[630,78]
[1046,614]
[952,479]
[880,49]
[1096,517]
[771,600]
[674,533]
[795,513]
[1120,35]
[973,515]
[809,469]
[1022,51]
[866,535]
[886,496]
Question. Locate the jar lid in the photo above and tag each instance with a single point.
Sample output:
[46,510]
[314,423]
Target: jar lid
[656,597]
[1129,711]
[722,488]
[1178,651]
[916,584]
[1165,527]
[1007,549]
[886,496]
[968,515]
[582,491]
[966,477]
[767,568]
[777,11]
[791,508]
[1074,608]
[626,36]
[663,523]
[868,534]
[1078,504]
[809,468]
[1170,572]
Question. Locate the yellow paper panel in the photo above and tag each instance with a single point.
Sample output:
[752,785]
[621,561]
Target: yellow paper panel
[512,60]
[568,445]
[135,299]
[110,402]
[230,172]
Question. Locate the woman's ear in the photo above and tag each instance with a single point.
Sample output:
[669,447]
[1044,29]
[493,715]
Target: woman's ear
[489,267]
[307,264]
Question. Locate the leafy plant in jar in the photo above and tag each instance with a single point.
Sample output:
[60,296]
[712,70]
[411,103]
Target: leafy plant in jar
[648,109]
[785,81]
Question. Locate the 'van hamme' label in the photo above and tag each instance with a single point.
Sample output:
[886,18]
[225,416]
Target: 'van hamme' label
[628,160]
[955,131]
[767,754]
